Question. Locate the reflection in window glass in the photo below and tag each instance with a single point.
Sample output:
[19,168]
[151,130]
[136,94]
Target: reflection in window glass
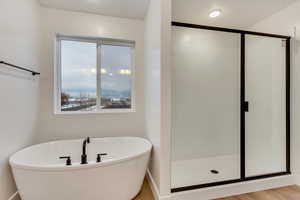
[116,71]
[78,76]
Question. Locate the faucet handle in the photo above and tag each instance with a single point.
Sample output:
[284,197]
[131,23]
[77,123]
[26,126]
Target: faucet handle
[68,161]
[99,156]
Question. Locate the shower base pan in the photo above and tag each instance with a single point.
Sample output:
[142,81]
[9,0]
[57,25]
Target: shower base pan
[216,169]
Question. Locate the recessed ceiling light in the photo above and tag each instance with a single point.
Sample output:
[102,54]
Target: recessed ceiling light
[215,13]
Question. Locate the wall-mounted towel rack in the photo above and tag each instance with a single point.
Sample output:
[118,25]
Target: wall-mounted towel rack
[21,68]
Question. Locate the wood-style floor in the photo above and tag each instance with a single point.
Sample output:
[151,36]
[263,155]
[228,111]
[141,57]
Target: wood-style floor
[146,193]
[284,193]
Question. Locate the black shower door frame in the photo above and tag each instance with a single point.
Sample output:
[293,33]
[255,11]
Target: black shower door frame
[244,107]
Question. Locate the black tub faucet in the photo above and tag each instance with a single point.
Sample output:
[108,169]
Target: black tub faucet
[68,161]
[84,156]
[99,156]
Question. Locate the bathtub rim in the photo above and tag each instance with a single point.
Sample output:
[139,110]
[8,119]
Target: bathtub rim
[77,165]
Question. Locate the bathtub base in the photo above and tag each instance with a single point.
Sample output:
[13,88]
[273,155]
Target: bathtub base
[122,181]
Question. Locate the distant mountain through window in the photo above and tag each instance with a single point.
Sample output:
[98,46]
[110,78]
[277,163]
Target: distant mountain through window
[82,88]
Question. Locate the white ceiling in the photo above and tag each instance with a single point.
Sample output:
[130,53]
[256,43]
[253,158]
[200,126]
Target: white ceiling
[119,8]
[235,13]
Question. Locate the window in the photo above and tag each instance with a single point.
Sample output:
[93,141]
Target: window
[94,75]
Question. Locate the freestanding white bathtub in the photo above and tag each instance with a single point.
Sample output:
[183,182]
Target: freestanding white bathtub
[41,175]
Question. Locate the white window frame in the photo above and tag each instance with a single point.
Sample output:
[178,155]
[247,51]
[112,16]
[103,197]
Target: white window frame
[99,42]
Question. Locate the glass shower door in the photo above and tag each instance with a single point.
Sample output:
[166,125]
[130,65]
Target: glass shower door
[265,123]
[205,106]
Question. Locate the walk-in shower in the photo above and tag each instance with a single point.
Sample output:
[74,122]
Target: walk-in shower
[230,106]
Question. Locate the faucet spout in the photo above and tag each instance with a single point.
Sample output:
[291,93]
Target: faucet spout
[84,156]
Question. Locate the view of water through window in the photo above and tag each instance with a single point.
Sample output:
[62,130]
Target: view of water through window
[79,76]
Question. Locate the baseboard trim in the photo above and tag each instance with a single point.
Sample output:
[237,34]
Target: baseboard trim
[297,179]
[13,196]
[153,185]
[154,188]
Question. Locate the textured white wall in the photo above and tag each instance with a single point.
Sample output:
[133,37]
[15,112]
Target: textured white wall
[285,22]
[19,36]
[53,127]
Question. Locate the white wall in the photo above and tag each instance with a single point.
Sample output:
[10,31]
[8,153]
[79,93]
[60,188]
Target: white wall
[19,36]
[152,84]
[52,127]
[157,90]
[166,18]
[283,22]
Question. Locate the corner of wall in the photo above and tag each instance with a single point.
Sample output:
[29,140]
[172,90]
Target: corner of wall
[154,188]
[166,18]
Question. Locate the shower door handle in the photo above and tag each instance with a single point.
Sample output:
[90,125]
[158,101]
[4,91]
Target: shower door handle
[246,106]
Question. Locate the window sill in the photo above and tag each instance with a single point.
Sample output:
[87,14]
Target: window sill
[108,111]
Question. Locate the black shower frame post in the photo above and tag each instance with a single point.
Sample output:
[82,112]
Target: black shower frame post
[244,107]
[288,101]
[242,111]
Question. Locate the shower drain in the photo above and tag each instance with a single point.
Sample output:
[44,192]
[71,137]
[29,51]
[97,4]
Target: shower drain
[213,171]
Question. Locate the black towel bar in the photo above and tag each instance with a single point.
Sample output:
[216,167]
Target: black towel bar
[21,68]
